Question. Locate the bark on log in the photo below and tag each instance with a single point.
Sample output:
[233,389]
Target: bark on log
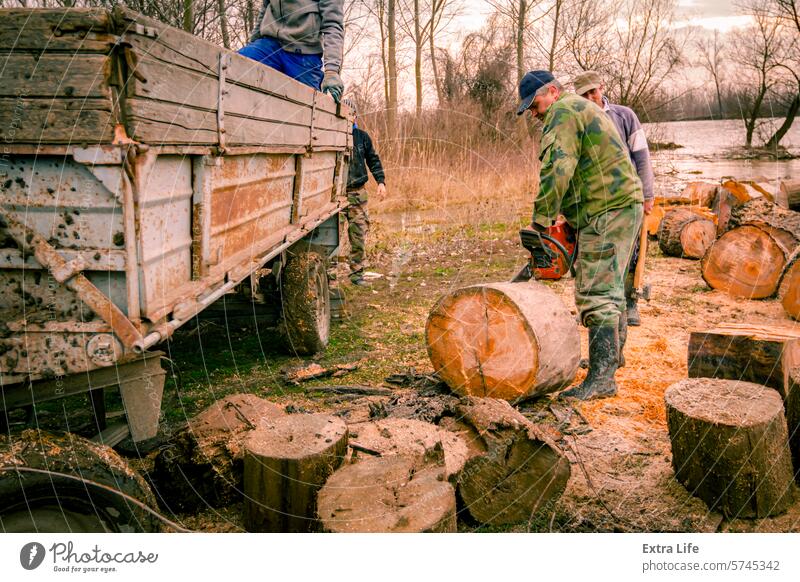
[730,446]
[388,494]
[513,470]
[751,353]
[683,233]
[204,462]
[700,193]
[503,340]
[791,404]
[789,290]
[287,461]
[790,189]
[749,260]
[411,438]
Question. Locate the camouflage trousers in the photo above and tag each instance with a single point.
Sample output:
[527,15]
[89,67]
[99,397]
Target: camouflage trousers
[357,228]
[605,246]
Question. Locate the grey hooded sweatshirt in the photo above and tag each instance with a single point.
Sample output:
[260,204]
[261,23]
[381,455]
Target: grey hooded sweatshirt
[305,26]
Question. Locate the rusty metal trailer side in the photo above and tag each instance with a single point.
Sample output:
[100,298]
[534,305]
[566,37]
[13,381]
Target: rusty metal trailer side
[144,174]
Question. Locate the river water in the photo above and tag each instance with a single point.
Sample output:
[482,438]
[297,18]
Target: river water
[713,150]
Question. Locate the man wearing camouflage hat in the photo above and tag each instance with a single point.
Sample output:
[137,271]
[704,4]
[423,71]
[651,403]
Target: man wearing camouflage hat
[590,86]
[586,175]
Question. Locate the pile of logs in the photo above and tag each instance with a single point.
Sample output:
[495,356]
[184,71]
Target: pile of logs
[313,472]
[734,425]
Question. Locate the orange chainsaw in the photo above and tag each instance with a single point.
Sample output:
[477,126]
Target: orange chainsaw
[552,252]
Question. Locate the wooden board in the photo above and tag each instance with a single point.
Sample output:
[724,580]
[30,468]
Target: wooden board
[55,30]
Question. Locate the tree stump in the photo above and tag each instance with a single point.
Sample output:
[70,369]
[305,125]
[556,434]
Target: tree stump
[730,446]
[410,438]
[749,260]
[683,233]
[513,470]
[503,340]
[287,461]
[204,462]
[388,494]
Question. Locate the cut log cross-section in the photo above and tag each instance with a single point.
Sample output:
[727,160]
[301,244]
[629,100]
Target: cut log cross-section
[730,445]
[503,340]
[749,260]
[683,233]
[388,494]
[513,470]
[287,461]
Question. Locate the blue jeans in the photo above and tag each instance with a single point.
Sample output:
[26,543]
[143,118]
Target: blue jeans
[304,68]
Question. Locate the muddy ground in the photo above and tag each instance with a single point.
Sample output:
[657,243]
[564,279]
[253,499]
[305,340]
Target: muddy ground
[621,474]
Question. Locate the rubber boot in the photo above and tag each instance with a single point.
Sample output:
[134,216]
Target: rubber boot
[631,302]
[603,362]
[623,337]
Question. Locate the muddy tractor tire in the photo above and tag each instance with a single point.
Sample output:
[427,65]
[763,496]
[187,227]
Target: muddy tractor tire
[51,503]
[305,303]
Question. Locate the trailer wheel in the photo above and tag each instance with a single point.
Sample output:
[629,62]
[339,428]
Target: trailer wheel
[306,306]
[47,503]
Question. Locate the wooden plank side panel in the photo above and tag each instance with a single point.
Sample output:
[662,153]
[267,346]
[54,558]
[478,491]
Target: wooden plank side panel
[77,30]
[156,122]
[174,83]
[55,75]
[73,121]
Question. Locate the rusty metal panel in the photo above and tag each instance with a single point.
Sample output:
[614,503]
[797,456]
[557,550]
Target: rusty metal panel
[318,180]
[251,200]
[164,211]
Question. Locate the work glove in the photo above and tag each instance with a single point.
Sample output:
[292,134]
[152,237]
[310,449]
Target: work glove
[332,84]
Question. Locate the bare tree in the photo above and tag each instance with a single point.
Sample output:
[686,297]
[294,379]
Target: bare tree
[711,52]
[758,52]
[788,11]
[647,52]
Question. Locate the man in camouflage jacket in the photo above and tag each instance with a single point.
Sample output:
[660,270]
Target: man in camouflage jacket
[587,176]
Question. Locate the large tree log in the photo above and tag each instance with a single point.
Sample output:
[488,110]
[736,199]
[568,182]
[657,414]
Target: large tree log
[700,193]
[504,340]
[287,461]
[791,404]
[204,462]
[653,220]
[683,233]
[790,189]
[759,354]
[388,494]
[789,290]
[513,470]
[410,438]
[730,445]
[748,261]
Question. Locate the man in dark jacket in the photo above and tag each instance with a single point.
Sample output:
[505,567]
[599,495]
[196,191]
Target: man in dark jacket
[296,36]
[364,156]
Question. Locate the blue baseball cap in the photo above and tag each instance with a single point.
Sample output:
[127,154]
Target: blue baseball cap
[529,85]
